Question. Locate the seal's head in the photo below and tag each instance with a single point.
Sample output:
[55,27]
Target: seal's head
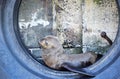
[50,42]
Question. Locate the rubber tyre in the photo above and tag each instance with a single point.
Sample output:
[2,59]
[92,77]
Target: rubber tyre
[17,63]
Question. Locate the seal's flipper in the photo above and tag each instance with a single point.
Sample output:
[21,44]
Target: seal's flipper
[77,70]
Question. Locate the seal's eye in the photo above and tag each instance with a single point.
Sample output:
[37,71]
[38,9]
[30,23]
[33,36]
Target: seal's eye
[46,43]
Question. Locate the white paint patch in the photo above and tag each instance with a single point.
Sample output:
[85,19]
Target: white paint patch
[34,22]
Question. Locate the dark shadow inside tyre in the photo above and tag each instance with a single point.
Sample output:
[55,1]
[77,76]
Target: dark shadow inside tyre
[35,23]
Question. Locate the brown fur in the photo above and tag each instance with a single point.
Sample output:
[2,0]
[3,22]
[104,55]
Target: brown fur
[54,56]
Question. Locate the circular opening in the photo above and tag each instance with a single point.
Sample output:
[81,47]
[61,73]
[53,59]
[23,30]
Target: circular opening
[79,23]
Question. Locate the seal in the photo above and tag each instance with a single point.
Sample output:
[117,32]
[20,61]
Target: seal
[55,57]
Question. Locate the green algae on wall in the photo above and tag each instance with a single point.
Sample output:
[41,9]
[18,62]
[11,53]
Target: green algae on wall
[98,1]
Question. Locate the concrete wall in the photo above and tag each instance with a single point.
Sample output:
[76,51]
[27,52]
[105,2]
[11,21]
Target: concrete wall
[35,20]
[79,21]
[98,16]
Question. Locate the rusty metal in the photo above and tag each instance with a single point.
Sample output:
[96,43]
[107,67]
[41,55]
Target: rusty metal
[104,35]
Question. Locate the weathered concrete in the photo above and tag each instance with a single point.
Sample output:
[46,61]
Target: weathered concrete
[35,20]
[98,16]
[68,21]
[79,21]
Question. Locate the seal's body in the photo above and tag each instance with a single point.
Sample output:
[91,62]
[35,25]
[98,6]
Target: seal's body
[54,56]
[76,60]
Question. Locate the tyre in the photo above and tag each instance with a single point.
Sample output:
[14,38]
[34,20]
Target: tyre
[16,63]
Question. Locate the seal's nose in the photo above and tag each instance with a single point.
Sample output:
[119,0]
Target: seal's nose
[39,44]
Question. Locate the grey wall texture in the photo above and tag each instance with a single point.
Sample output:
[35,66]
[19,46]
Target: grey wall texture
[79,21]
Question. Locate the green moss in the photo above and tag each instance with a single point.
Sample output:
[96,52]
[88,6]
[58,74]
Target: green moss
[98,1]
